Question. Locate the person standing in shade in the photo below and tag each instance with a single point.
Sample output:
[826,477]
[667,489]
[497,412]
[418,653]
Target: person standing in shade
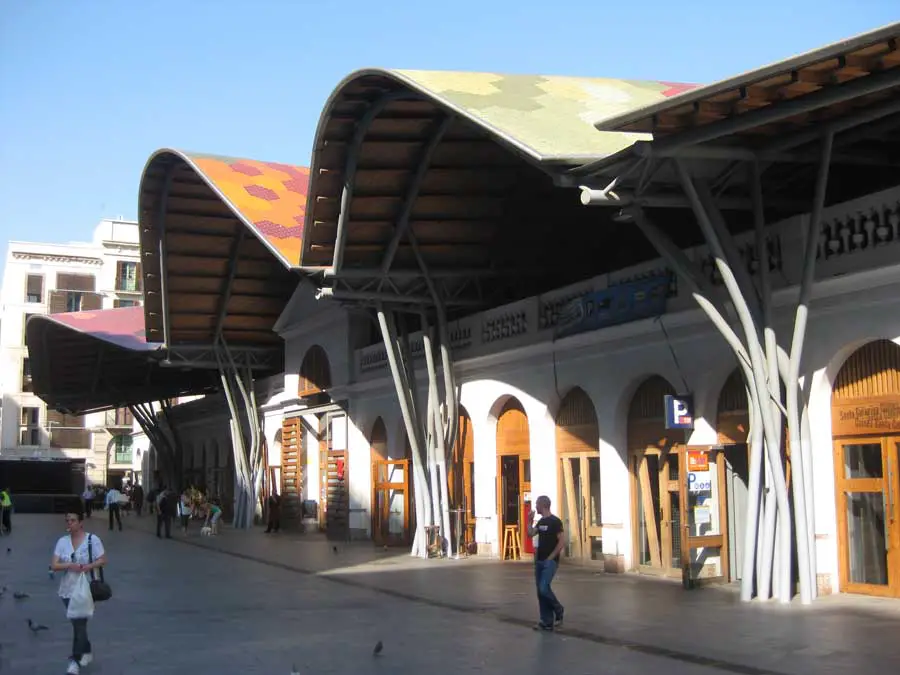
[73,556]
[274,521]
[551,541]
[166,505]
[114,504]
[137,498]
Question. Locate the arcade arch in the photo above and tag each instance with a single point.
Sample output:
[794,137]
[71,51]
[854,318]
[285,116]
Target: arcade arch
[391,513]
[513,471]
[578,452]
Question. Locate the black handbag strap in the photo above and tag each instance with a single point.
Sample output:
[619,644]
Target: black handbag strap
[91,558]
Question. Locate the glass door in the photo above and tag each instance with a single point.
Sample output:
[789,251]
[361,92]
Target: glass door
[867,485]
[580,506]
[705,550]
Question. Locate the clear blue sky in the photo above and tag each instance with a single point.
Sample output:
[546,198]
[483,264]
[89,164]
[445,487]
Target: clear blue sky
[89,88]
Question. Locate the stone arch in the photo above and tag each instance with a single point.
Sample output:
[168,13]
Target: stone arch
[315,372]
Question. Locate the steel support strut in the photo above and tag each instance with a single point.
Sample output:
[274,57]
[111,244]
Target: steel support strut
[738,297]
[437,132]
[163,255]
[350,167]
[801,458]
[246,460]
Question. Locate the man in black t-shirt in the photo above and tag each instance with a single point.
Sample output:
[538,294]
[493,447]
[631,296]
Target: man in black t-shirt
[551,541]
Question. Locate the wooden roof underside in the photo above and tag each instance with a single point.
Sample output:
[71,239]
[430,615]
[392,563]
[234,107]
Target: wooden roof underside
[200,234]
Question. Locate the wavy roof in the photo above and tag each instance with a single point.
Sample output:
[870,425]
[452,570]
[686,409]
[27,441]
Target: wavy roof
[269,197]
[123,326]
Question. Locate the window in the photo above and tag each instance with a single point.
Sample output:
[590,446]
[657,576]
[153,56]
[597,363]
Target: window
[128,276]
[120,417]
[75,282]
[30,426]
[24,332]
[26,375]
[125,303]
[67,431]
[34,288]
[73,301]
[122,446]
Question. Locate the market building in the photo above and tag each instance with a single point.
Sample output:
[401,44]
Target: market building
[553,222]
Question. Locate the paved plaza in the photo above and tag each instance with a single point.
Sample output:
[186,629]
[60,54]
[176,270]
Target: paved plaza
[254,603]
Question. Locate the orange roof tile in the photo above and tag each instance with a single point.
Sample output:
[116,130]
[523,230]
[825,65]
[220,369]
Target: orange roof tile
[268,196]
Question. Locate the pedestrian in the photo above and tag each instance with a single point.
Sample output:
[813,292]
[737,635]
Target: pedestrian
[274,520]
[165,508]
[184,510]
[76,553]
[114,504]
[6,506]
[88,497]
[137,498]
[551,541]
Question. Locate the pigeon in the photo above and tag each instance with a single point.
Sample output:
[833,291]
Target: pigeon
[8,550]
[334,548]
[378,647]
[20,596]
[36,627]
[294,670]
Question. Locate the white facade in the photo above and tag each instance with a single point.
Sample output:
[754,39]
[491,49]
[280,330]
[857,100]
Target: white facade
[34,282]
[856,301]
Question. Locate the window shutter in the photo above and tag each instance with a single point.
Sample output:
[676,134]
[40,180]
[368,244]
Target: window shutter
[140,278]
[75,282]
[57,302]
[91,301]
[35,285]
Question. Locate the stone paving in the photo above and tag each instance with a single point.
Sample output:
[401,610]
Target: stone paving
[245,602]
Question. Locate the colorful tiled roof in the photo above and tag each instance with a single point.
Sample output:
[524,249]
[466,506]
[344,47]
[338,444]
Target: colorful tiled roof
[123,326]
[551,117]
[268,196]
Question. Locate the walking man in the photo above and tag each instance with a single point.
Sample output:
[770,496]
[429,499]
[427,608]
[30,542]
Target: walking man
[551,541]
[113,503]
[166,505]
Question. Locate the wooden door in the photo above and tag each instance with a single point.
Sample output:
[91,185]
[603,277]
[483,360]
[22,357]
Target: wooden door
[390,502]
[657,483]
[580,506]
[867,471]
[461,477]
[292,467]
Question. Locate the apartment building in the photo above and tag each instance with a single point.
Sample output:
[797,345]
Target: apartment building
[50,279]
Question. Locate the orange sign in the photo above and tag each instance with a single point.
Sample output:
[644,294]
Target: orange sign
[697,460]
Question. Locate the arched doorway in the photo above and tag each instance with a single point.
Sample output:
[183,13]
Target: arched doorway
[865,422]
[732,429]
[514,471]
[656,480]
[390,491]
[461,476]
[578,449]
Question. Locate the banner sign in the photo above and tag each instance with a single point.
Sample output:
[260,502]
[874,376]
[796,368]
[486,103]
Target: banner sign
[614,305]
[679,411]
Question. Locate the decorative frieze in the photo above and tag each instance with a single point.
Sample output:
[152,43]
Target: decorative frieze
[57,258]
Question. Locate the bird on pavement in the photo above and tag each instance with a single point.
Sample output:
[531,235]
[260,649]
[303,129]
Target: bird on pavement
[20,596]
[378,648]
[294,670]
[334,548]
[36,627]
[8,550]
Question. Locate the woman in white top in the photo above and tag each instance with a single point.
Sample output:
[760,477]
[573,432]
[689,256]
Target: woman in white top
[72,557]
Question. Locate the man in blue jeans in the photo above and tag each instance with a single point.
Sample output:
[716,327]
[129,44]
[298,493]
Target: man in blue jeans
[551,541]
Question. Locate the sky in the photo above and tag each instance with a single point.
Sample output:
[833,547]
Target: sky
[90,88]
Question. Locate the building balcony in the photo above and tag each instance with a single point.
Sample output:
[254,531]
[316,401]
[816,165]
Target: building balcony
[120,418]
[122,457]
